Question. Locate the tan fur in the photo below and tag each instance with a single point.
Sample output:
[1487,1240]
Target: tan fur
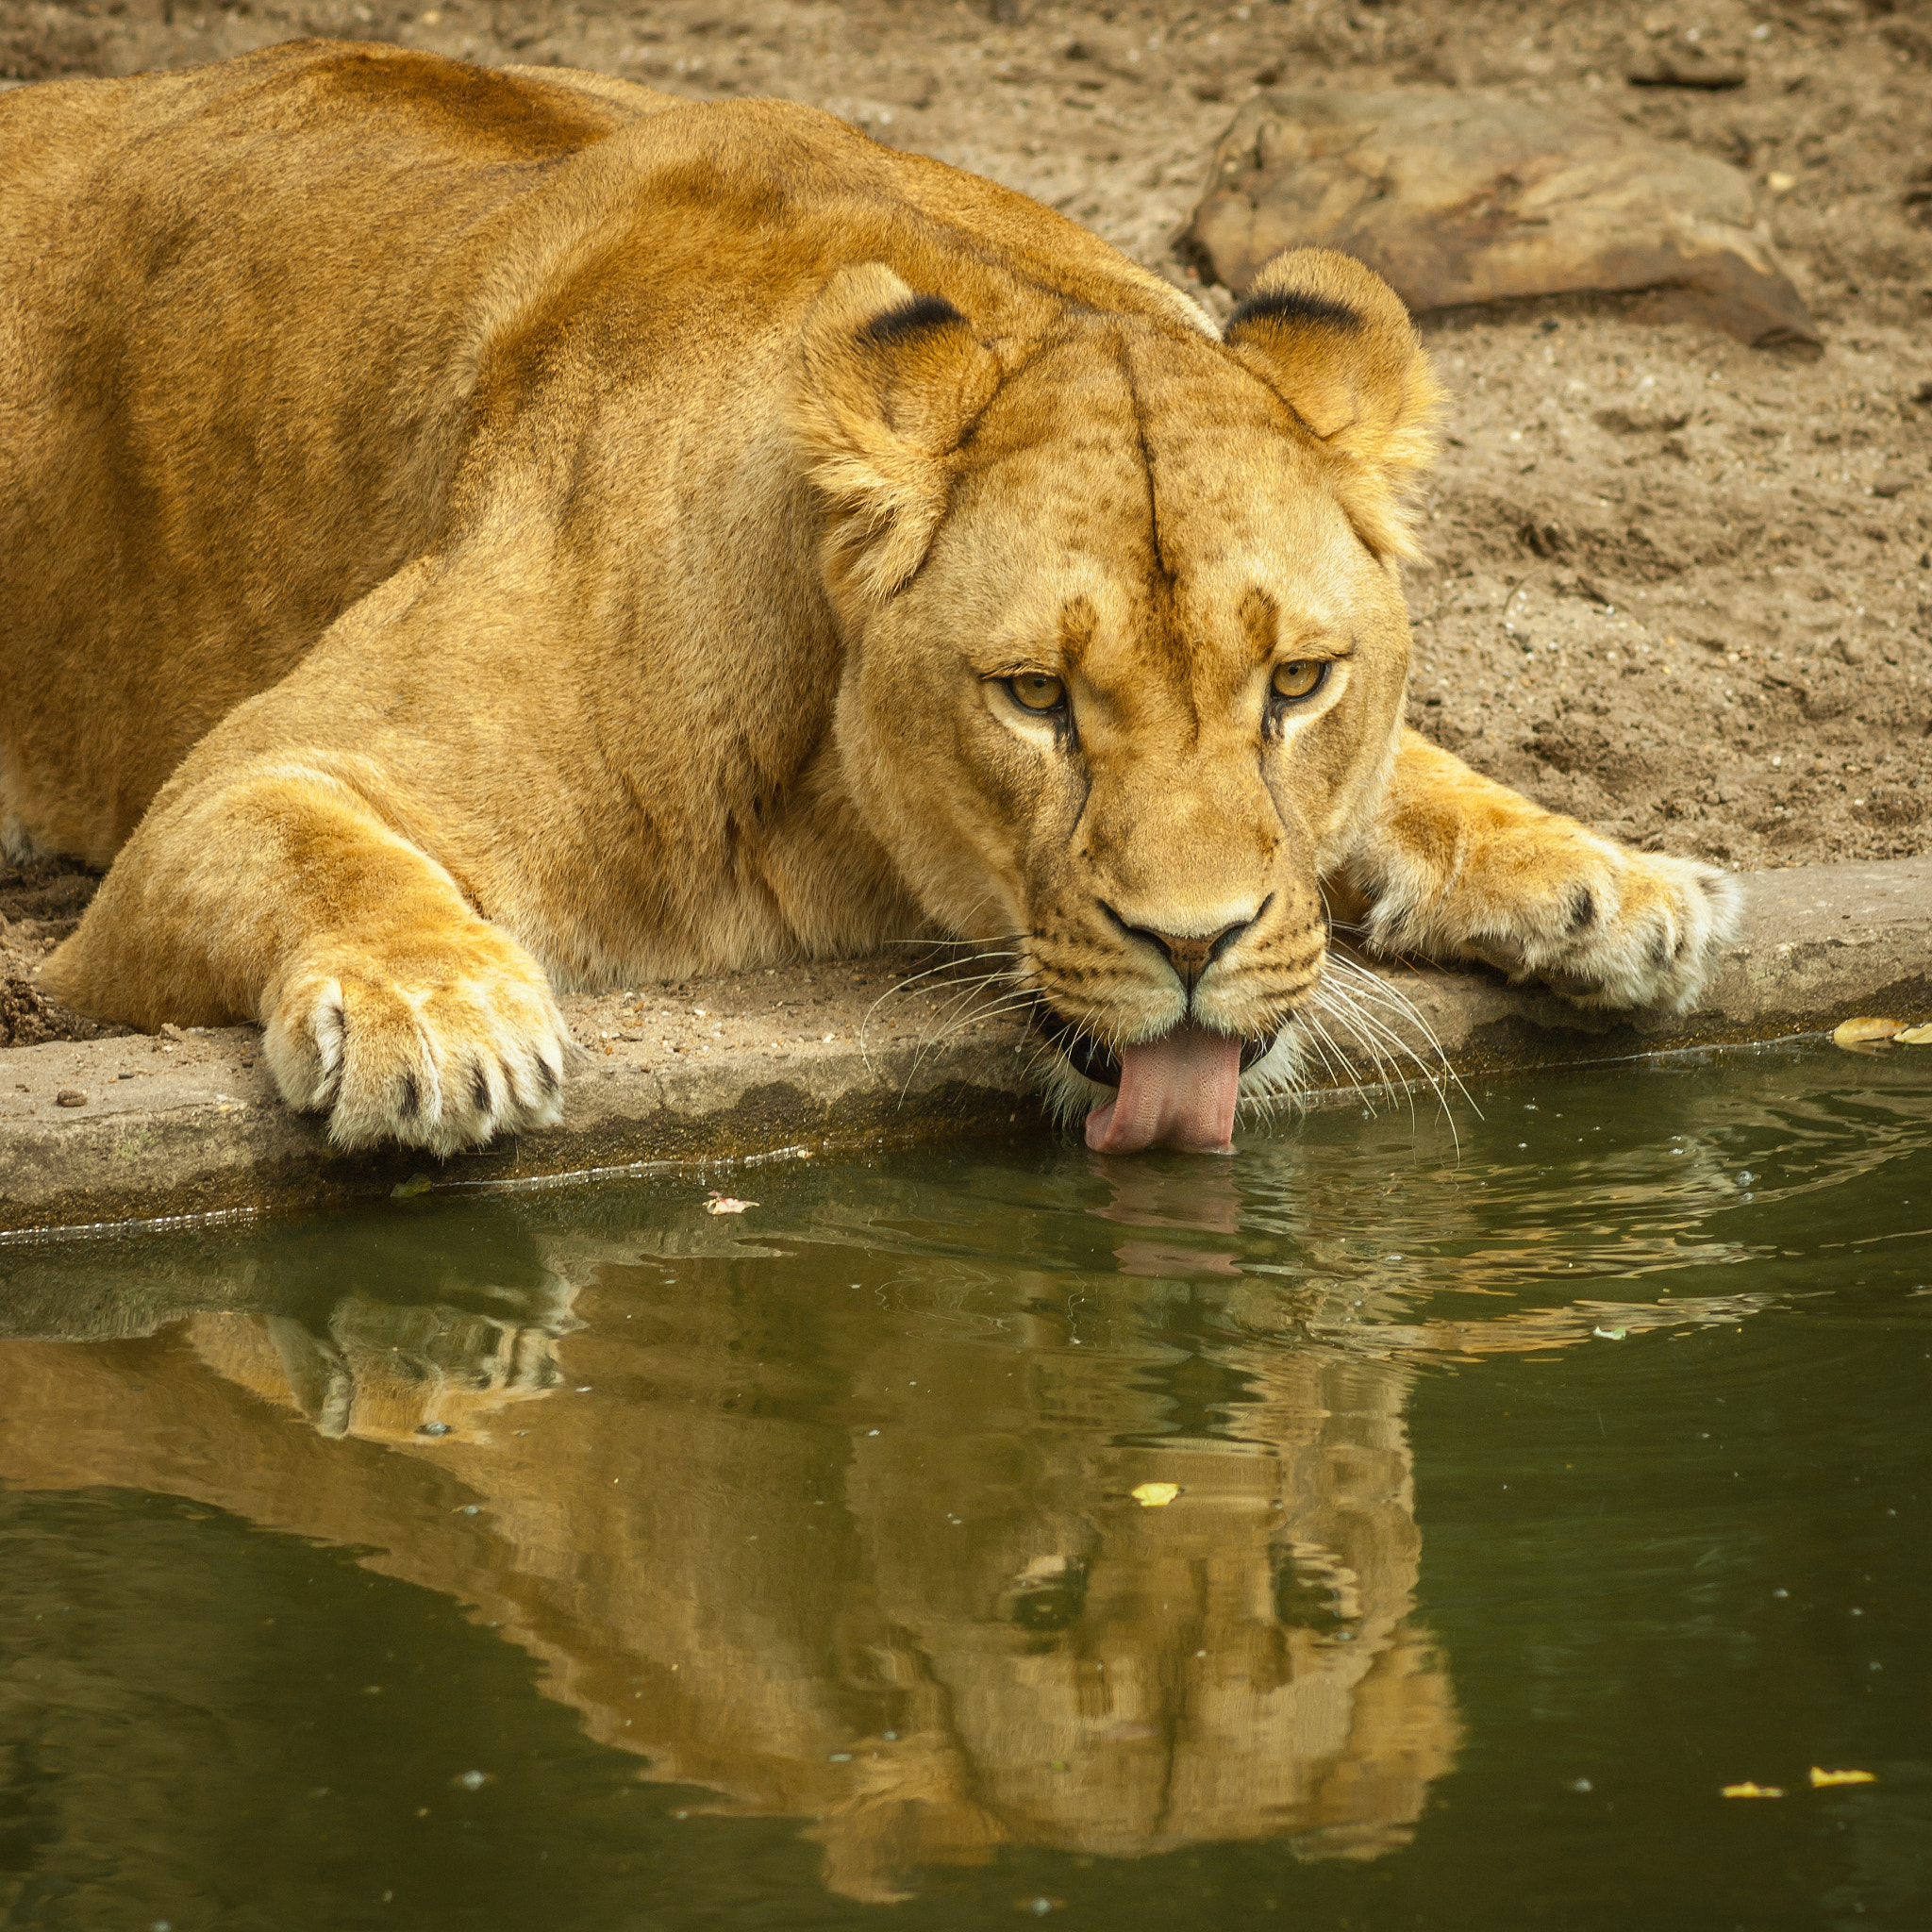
[469,535]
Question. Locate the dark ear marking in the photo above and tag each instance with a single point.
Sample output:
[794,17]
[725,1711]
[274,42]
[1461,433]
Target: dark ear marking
[1294,304]
[918,317]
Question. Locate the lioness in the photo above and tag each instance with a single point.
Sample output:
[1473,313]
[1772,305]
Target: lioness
[472,533]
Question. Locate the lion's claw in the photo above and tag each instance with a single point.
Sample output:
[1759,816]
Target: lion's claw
[462,1044]
[1657,926]
[1600,924]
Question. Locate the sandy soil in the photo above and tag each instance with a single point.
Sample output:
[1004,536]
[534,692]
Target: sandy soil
[1680,587]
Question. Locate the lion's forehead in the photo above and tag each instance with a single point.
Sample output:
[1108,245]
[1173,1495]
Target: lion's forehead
[1161,511]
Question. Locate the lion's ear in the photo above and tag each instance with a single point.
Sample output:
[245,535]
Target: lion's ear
[889,381]
[1332,339]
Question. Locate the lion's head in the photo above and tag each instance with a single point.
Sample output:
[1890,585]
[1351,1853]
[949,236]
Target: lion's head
[1128,647]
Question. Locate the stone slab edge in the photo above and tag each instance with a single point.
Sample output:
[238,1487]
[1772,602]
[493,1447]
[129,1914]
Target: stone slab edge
[193,1126]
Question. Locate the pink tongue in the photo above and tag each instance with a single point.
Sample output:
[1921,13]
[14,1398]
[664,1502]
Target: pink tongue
[1176,1092]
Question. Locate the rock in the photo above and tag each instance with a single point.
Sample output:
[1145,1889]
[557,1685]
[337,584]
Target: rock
[1640,422]
[1894,483]
[70,1096]
[1463,198]
[1685,67]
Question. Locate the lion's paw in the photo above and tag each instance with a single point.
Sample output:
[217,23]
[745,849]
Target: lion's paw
[1602,924]
[455,1043]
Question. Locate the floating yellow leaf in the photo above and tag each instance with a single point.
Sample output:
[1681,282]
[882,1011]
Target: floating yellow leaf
[1915,1036]
[416,1184]
[1842,1777]
[1155,1496]
[1862,1032]
[1748,1789]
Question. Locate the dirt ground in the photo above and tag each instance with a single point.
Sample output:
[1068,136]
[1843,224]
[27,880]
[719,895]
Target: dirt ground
[1679,587]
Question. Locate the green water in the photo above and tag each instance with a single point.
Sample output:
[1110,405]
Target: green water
[1396,1525]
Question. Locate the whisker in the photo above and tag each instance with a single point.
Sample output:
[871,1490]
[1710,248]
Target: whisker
[1014,994]
[1014,1002]
[1373,988]
[1363,1015]
[1333,1059]
[1373,1036]
[1338,1009]
[1360,1018]
[1438,1083]
[1391,1049]
[911,980]
[1008,1003]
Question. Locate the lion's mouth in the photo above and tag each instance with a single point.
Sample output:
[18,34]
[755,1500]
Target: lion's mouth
[1179,1090]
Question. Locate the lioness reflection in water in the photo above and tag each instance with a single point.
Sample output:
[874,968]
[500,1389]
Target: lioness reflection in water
[937,1562]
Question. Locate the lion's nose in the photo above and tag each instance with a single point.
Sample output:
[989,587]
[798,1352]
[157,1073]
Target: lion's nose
[1189,956]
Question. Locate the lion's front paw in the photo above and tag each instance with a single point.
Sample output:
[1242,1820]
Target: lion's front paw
[440,1049]
[1604,926]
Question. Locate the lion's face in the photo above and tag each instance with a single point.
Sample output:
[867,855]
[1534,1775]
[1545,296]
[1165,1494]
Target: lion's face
[1141,679]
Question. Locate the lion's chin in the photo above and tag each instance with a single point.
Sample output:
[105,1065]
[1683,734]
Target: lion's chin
[1179,1090]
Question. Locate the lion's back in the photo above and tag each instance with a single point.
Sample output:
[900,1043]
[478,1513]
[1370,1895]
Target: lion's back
[229,395]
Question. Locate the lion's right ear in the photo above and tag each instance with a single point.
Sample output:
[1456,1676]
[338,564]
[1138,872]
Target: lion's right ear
[1332,339]
[889,383]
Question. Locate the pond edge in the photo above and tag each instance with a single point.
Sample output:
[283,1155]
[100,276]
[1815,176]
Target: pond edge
[190,1126]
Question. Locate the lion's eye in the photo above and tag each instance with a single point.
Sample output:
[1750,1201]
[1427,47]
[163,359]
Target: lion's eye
[1036,692]
[1300,677]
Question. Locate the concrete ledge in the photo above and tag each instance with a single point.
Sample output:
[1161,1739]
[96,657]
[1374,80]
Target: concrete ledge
[834,1057]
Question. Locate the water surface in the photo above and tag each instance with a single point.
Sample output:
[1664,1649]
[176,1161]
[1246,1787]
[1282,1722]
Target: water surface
[1405,1523]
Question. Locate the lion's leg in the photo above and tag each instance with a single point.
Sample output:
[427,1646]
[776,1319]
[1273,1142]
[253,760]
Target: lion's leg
[281,895]
[1457,867]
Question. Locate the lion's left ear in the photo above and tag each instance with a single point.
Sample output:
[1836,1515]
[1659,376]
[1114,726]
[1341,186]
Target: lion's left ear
[1332,339]
[889,383]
